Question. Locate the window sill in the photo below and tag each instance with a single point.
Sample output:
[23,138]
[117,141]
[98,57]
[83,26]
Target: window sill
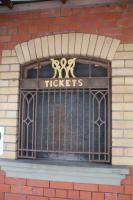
[89,173]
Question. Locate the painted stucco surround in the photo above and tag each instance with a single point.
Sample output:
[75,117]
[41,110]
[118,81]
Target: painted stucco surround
[72,44]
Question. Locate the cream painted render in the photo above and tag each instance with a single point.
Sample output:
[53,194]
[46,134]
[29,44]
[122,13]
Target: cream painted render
[72,44]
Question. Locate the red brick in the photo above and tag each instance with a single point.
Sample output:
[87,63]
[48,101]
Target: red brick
[11,45]
[125,38]
[2,179]
[4,188]
[2,196]
[61,193]
[124,22]
[2,173]
[73,194]
[109,196]
[38,29]
[111,188]
[9,196]
[97,196]
[66,12]
[128,30]
[61,185]
[123,197]
[15,181]
[5,38]
[36,198]
[50,13]
[49,192]
[85,195]
[129,189]
[132,179]
[59,199]
[12,31]
[37,183]
[20,37]
[21,189]
[127,180]
[37,191]
[85,187]
[53,28]
[103,9]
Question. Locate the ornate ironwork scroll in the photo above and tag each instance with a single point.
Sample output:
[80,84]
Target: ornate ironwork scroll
[63,65]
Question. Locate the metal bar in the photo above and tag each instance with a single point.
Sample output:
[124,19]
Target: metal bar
[33,127]
[83,123]
[79,152]
[59,116]
[89,121]
[35,130]
[42,131]
[77,140]
[105,128]
[22,127]
[48,124]
[71,121]
[99,126]
[53,119]
[93,124]
[65,122]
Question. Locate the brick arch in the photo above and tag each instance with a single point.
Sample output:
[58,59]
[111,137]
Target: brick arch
[68,44]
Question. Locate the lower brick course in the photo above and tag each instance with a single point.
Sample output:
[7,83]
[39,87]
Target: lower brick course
[28,189]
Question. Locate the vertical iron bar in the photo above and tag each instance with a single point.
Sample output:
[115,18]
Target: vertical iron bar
[42,108]
[65,122]
[53,119]
[27,126]
[109,125]
[48,124]
[77,119]
[35,140]
[71,122]
[93,125]
[36,109]
[59,116]
[105,128]
[99,126]
[22,128]
[20,135]
[83,120]
[33,127]
[89,124]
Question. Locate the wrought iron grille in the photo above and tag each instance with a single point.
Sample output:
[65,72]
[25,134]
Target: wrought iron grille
[65,123]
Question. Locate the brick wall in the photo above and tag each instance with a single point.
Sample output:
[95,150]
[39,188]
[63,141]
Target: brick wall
[28,189]
[112,23]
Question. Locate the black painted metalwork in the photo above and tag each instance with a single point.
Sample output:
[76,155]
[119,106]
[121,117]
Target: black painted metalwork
[65,123]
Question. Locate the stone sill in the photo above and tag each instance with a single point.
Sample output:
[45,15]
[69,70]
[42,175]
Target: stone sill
[94,174]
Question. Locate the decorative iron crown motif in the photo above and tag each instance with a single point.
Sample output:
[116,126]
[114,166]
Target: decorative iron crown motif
[62,66]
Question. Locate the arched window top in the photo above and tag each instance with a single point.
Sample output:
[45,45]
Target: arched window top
[83,68]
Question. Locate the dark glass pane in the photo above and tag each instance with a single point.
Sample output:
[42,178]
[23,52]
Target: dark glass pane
[98,71]
[82,70]
[46,71]
[32,73]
